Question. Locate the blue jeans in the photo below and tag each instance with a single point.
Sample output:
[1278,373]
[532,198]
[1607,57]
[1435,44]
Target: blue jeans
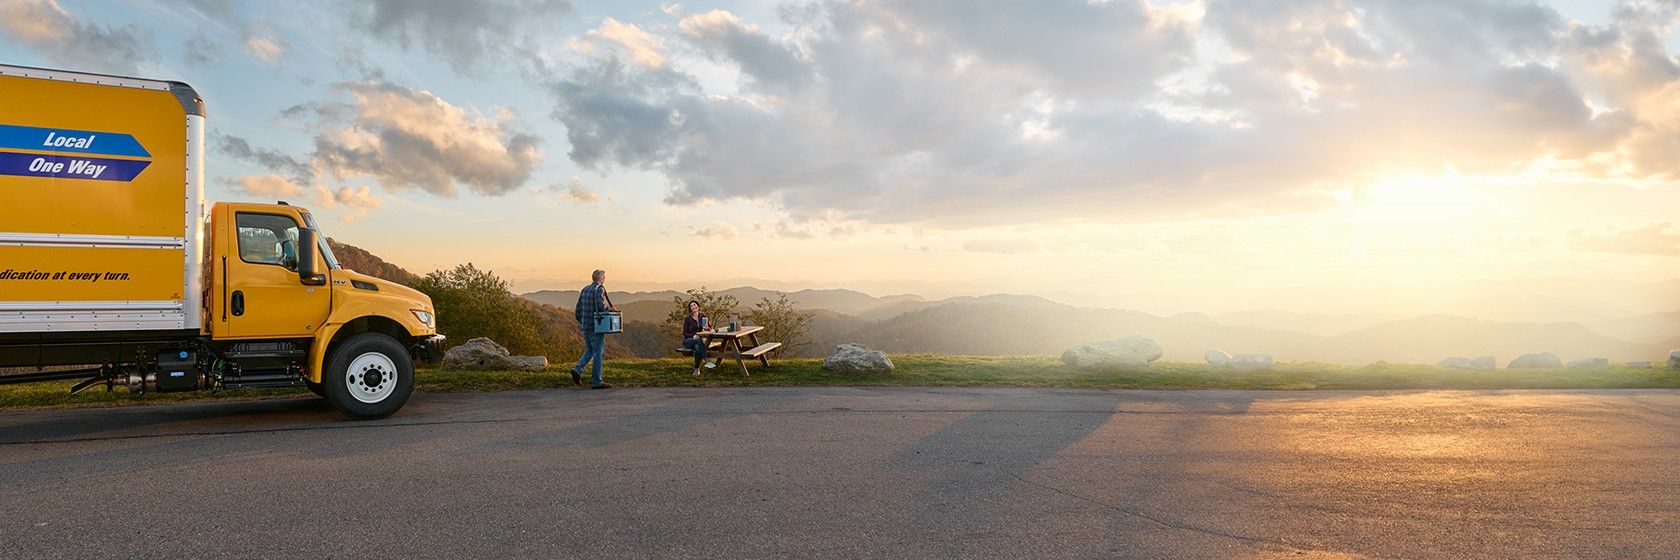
[698,345]
[594,348]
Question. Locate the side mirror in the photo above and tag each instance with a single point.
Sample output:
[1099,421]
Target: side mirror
[308,274]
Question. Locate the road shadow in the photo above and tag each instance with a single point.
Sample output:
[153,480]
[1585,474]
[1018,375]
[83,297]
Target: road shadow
[127,421]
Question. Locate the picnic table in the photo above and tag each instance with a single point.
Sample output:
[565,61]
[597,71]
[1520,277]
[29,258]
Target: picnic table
[730,342]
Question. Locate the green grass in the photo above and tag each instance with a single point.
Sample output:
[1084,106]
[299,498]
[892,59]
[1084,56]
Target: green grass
[951,371]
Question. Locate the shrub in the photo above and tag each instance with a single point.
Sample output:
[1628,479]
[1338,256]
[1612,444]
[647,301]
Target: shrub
[782,322]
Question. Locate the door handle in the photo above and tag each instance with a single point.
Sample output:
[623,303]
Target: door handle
[238,304]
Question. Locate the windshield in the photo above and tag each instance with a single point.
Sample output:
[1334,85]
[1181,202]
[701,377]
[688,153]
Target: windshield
[326,251]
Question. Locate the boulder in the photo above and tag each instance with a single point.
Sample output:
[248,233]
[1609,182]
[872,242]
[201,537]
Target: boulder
[1217,358]
[1674,358]
[1589,363]
[854,359]
[1540,360]
[1643,364]
[1252,361]
[1454,362]
[1483,362]
[1132,351]
[485,355]
[530,363]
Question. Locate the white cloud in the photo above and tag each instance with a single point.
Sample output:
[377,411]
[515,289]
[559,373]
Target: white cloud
[269,186]
[354,202]
[642,48]
[470,35]
[47,27]
[922,111]
[266,49]
[574,192]
[405,138]
[717,230]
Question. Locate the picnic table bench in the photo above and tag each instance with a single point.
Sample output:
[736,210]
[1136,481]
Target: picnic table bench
[725,341]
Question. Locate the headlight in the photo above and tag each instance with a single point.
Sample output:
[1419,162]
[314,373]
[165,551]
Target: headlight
[425,317]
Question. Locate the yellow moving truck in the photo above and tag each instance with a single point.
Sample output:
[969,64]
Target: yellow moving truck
[113,271]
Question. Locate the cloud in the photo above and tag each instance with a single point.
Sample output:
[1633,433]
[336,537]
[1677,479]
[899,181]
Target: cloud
[641,47]
[769,62]
[267,48]
[1001,246]
[240,149]
[574,192]
[355,202]
[268,186]
[718,230]
[1661,239]
[405,138]
[67,41]
[470,35]
[402,139]
[1109,111]
[201,50]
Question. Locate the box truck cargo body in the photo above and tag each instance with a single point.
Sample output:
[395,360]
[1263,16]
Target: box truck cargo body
[113,270]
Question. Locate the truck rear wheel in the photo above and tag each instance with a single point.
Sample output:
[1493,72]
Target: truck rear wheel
[369,376]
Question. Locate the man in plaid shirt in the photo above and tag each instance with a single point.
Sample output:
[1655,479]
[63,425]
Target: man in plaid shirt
[592,299]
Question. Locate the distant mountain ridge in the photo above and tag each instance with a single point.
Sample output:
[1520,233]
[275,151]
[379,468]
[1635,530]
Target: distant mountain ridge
[1004,324]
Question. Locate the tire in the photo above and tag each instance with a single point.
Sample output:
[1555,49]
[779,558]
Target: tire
[369,376]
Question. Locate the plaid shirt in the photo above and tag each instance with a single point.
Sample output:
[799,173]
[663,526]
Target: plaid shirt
[592,299]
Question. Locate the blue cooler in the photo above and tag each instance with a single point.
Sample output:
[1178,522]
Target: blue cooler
[608,322]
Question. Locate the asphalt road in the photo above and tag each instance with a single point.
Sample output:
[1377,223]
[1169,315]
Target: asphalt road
[855,473]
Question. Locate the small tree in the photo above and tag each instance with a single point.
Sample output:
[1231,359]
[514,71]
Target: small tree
[719,306]
[471,303]
[782,322]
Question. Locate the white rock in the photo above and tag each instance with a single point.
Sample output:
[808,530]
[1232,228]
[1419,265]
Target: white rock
[1252,361]
[1540,360]
[851,358]
[1674,358]
[1217,357]
[1589,363]
[1132,351]
[530,363]
[1643,364]
[485,355]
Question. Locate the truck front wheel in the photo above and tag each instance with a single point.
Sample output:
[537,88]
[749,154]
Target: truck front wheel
[369,376]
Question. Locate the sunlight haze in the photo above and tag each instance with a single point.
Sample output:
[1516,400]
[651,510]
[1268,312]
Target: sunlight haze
[1498,160]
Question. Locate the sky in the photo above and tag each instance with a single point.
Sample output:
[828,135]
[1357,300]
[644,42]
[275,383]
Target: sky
[1505,160]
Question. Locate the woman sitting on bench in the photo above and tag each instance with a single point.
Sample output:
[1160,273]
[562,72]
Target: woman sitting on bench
[694,324]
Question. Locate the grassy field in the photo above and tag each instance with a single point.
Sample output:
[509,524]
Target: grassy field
[949,371]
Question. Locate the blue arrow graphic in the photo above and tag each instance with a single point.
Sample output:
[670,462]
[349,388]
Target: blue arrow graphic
[71,167]
[67,140]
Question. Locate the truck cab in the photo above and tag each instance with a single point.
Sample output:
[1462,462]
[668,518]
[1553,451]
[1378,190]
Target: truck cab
[278,291]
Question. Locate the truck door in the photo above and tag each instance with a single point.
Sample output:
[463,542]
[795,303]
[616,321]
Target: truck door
[265,299]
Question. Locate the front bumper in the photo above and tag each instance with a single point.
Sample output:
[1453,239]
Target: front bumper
[428,349]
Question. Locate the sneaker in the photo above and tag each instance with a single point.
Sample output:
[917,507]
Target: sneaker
[697,372]
[577,378]
[601,386]
[710,365]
